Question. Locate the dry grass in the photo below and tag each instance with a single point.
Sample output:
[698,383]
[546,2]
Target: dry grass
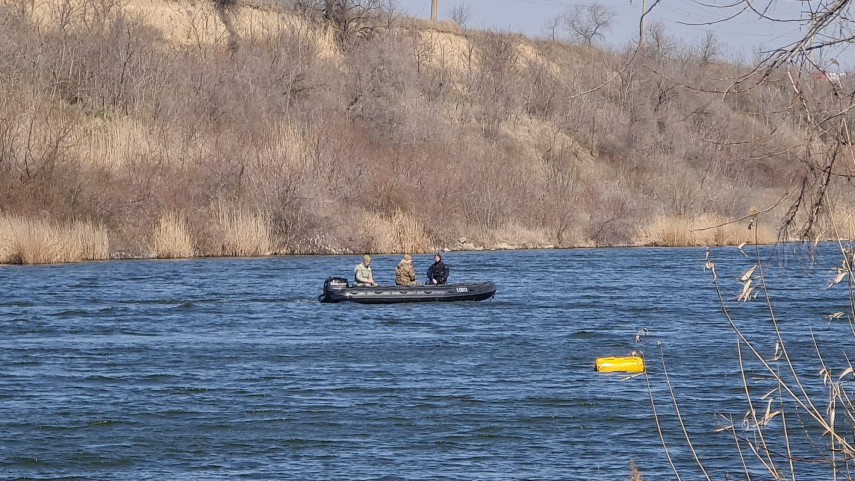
[172,239]
[245,233]
[446,51]
[514,236]
[198,24]
[704,230]
[400,233]
[144,106]
[109,144]
[27,241]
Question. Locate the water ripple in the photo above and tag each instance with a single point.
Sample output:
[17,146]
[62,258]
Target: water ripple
[225,369]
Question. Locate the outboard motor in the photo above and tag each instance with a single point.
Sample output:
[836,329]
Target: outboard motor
[333,283]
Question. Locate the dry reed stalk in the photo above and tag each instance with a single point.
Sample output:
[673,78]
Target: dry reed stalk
[411,233]
[522,237]
[705,230]
[634,474]
[716,230]
[245,233]
[172,239]
[110,144]
[26,241]
[672,231]
[789,389]
[400,233]
[91,241]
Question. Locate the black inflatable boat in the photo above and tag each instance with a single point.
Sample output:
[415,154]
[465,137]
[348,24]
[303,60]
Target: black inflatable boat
[337,289]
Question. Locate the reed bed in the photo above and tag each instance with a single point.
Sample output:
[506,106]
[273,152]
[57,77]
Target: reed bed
[245,233]
[171,238]
[704,230]
[399,233]
[31,241]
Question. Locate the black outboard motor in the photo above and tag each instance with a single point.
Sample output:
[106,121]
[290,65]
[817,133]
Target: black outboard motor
[332,284]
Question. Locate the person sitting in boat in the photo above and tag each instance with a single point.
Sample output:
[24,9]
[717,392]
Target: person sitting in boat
[362,273]
[404,273]
[437,272]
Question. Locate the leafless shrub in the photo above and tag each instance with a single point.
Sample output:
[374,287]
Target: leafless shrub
[379,81]
[562,191]
[710,49]
[353,20]
[494,85]
[224,8]
[658,43]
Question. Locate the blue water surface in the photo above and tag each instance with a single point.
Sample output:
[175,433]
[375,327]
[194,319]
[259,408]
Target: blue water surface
[232,369]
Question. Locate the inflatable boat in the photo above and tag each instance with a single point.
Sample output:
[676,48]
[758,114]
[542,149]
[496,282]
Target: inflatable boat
[337,289]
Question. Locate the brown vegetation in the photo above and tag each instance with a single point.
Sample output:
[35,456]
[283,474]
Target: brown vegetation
[171,239]
[355,130]
[34,241]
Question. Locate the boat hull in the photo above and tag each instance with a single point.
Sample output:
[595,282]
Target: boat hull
[476,291]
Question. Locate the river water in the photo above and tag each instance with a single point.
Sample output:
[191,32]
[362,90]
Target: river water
[231,368]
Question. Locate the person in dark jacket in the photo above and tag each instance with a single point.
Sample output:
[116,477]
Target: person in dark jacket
[437,272]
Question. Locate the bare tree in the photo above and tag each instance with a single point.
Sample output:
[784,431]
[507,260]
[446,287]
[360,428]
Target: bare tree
[658,41]
[552,25]
[460,14]
[352,19]
[589,23]
[710,48]
[223,8]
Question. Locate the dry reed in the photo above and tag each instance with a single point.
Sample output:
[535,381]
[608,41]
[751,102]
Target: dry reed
[28,241]
[704,230]
[400,233]
[245,233]
[634,474]
[172,239]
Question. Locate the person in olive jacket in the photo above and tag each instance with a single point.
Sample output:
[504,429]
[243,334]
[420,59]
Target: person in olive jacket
[404,273]
[437,272]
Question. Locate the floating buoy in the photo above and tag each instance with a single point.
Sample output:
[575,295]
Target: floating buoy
[632,364]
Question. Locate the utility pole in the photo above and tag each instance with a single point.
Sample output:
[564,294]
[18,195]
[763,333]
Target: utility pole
[433,10]
[812,26]
[643,21]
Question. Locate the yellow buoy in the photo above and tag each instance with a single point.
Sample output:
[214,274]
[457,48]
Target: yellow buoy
[632,364]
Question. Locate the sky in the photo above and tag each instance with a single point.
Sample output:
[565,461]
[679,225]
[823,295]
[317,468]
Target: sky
[683,19]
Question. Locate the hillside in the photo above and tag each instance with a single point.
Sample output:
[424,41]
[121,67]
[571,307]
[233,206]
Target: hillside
[176,128]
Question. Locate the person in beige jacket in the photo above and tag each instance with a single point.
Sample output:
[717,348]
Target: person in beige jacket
[404,273]
[362,273]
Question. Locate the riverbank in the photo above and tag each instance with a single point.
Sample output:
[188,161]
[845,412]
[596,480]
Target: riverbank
[178,129]
[25,241]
